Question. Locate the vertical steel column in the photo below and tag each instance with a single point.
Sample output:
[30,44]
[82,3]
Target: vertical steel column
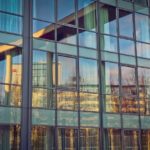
[27,77]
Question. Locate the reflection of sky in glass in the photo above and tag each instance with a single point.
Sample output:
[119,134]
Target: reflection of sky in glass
[39,56]
[126,25]
[43,9]
[142,27]
[84,3]
[126,47]
[88,72]
[143,50]
[68,70]
[65,8]
[111,74]
[3,71]
[87,39]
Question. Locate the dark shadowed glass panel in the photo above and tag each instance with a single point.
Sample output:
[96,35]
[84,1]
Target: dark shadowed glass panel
[111,81]
[88,75]
[87,15]
[111,103]
[10,64]
[145,140]
[10,23]
[66,72]
[67,139]
[66,34]
[126,47]
[87,39]
[89,139]
[43,30]
[10,137]
[143,49]
[141,2]
[43,138]
[142,27]
[43,69]
[13,6]
[112,139]
[125,23]
[43,9]
[129,92]
[89,102]
[10,95]
[66,11]
[131,139]
[108,23]
[44,98]
[67,100]
[108,43]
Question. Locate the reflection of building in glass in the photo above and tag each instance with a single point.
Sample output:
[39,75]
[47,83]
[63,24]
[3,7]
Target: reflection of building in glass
[74,75]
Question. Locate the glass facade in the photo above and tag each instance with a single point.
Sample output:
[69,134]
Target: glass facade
[74,75]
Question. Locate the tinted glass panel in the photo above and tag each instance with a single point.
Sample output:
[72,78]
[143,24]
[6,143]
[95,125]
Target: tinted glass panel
[66,11]
[67,139]
[13,6]
[87,39]
[43,30]
[66,34]
[43,69]
[126,47]
[142,27]
[66,73]
[10,64]
[43,9]
[111,78]
[125,23]
[43,138]
[87,15]
[10,23]
[112,138]
[131,140]
[88,75]
[108,23]
[89,139]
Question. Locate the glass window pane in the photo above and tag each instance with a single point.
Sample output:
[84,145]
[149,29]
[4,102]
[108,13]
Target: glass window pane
[112,139]
[111,103]
[87,15]
[89,139]
[145,140]
[43,30]
[10,23]
[125,23]
[129,98]
[67,139]
[10,137]
[111,82]
[131,139]
[43,9]
[13,6]
[88,75]
[108,23]
[43,138]
[87,39]
[66,73]
[108,43]
[44,98]
[66,13]
[67,100]
[89,102]
[143,49]
[10,95]
[141,2]
[66,34]
[43,69]
[126,47]
[142,27]
[10,64]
